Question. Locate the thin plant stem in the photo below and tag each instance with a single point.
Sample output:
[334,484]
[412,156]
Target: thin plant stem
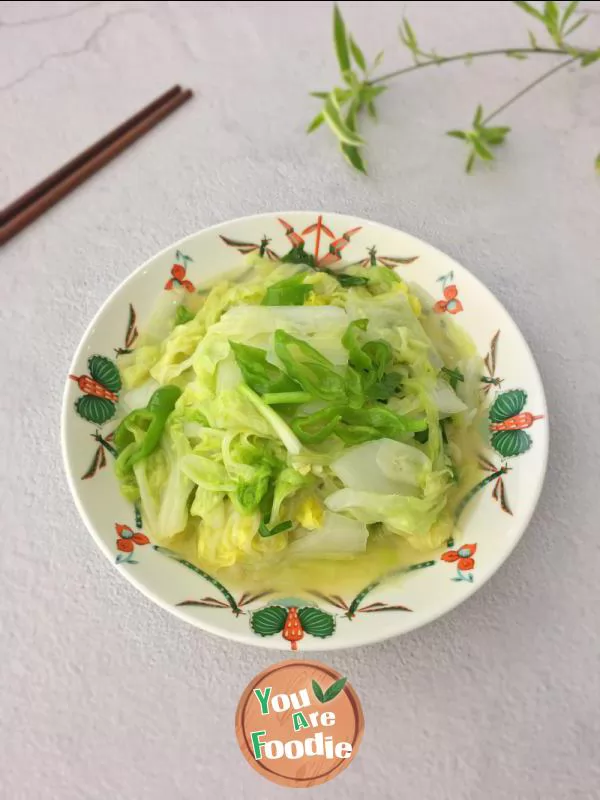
[467,57]
[528,88]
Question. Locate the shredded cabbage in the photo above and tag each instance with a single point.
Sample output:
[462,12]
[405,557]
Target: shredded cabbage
[316,415]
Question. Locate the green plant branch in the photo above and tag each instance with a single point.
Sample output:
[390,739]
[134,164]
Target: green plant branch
[344,105]
[544,76]
[438,62]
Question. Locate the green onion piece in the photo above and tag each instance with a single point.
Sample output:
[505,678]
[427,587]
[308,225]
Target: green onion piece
[344,279]
[453,376]
[383,419]
[315,373]
[280,528]
[183,315]
[354,388]
[280,398]
[139,433]
[357,434]
[288,292]
[316,427]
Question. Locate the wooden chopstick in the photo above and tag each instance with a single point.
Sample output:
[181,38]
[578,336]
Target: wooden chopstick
[42,187]
[33,203]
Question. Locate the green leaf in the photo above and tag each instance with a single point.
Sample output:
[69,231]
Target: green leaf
[316,123]
[478,115]
[500,130]
[335,688]
[380,354]
[551,15]
[470,162]
[378,59]
[457,134]
[268,620]
[569,11]
[341,95]
[387,387]
[517,55]
[331,692]
[482,150]
[106,372]
[529,9]
[533,40]
[95,409]
[510,443]
[316,622]
[260,375]
[353,156]
[350,152]
[507,404]
[590,58]
[182,257]
[577,24]
[371,110]
[353,81]
[331,112]
[368,93]
[318,692]
[357,54]
[494,135]
[410,38]
[319,95]
[340,39]
[597,163]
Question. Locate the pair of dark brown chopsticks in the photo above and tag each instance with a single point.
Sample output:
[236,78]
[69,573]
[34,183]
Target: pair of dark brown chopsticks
[33,203]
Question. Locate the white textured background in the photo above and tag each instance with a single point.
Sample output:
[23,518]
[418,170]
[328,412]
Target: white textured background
[103,695]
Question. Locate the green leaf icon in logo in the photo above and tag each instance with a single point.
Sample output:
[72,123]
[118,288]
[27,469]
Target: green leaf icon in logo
[318,692]
[329,694]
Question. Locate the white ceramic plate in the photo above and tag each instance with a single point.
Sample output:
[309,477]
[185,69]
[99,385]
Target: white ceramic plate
[500,509]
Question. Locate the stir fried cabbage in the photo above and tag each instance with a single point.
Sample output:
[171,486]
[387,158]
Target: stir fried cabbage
[304,416]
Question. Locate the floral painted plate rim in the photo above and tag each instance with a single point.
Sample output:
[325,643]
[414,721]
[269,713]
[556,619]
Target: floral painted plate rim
[291,617]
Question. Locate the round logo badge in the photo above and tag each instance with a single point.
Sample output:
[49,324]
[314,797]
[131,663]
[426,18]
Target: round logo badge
[299,723]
